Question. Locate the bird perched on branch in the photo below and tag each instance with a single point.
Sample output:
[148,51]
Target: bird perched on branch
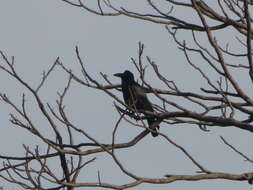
[136,98]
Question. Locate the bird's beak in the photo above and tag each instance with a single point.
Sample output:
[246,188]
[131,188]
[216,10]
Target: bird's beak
[118,75]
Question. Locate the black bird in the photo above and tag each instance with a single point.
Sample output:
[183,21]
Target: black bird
[136,98]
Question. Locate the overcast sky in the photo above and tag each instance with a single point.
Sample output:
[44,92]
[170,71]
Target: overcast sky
[37,32]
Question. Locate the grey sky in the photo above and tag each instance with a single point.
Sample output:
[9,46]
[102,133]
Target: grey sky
[37,32]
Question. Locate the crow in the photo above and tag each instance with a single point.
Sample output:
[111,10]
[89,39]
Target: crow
[136,98]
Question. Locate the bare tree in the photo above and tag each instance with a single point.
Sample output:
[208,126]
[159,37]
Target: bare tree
[223,103]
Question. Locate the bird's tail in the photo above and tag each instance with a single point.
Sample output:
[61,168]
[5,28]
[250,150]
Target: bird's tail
[151,124]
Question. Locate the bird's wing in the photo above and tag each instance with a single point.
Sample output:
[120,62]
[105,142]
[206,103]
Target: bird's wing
[142,99]
[139,92]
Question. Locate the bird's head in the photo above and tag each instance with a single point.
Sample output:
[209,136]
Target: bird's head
[126,76]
